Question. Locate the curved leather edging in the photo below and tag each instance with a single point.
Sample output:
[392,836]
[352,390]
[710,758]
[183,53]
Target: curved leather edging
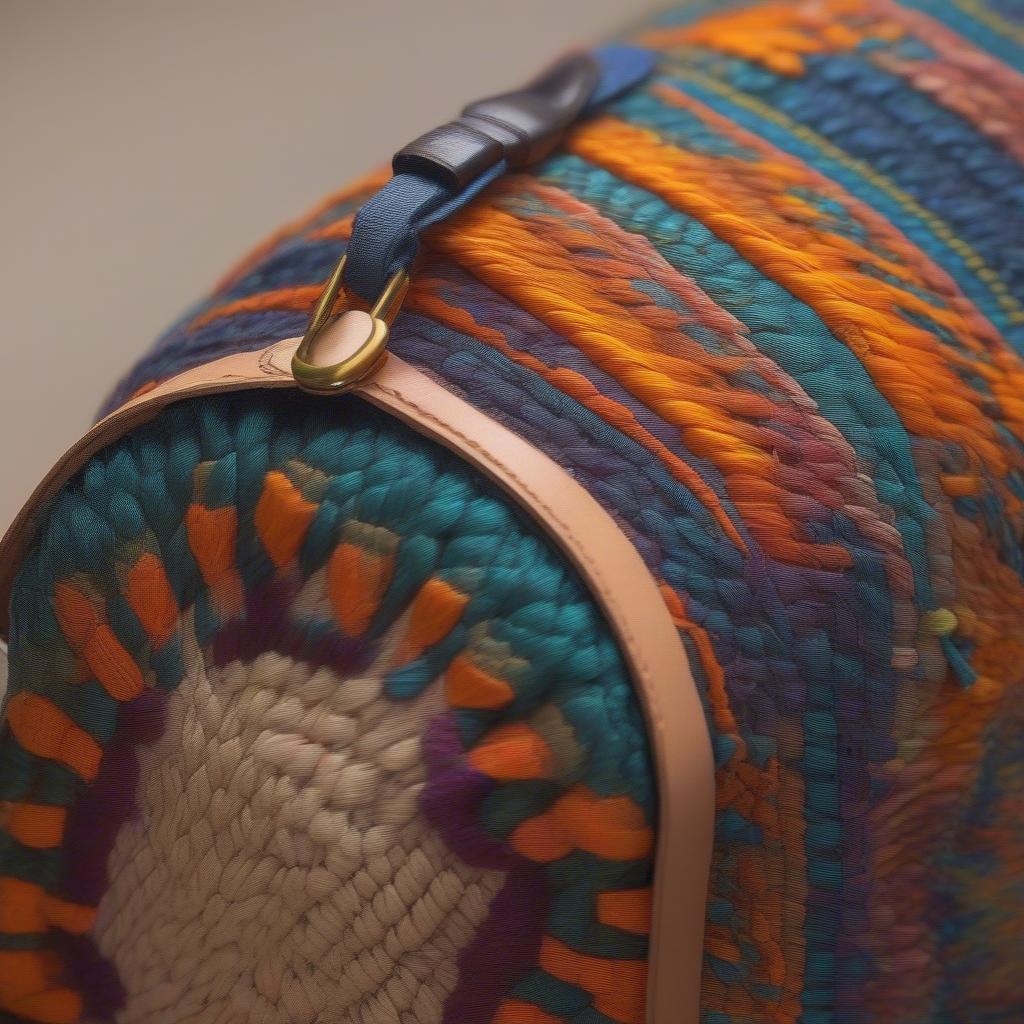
[604,557]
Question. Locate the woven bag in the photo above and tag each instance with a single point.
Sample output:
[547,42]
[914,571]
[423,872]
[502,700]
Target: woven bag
[601,602]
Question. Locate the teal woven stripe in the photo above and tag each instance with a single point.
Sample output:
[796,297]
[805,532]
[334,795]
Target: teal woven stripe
[786,329]
[968,20]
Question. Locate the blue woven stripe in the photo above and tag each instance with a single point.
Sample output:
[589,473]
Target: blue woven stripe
[879,118]
[900,215]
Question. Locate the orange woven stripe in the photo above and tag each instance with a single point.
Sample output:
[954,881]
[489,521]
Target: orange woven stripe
[718,943]
[628,909]
[212,538]
[298,300]
[618,986]
[46,731]
[725,720]
[26,989]
[21,907]
[149,593]
[40,826]
[357,581]
[436,609]
[340,229]
[513,751]
[27,909]
[95,641]
[69,917]
[469,686]
[777,35]
[282,518]
[514,1011]
[212,534]
[611,827]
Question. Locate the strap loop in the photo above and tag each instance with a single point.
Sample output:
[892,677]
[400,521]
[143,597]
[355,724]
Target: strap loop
[435,176]
[385,236]
[337,352]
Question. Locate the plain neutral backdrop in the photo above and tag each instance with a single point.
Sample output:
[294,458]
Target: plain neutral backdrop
[145,145]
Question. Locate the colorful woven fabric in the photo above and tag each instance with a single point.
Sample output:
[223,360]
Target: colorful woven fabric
[769,309]
[331,698]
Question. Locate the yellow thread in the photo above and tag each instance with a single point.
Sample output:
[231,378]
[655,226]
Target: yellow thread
[992,19]
[941,621]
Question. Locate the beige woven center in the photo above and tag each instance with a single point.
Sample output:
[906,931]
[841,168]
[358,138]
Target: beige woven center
[281,870]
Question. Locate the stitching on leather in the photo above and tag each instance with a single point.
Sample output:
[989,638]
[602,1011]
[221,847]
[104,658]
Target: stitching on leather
[149,406]
[581,550]
[647,682]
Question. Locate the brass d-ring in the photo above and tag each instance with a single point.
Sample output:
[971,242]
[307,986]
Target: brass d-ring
[340,349]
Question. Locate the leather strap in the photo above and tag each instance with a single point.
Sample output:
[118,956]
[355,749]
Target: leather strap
[604,557]
[442,171]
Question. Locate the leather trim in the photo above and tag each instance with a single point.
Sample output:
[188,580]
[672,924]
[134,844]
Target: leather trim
[520,127]
[605,558]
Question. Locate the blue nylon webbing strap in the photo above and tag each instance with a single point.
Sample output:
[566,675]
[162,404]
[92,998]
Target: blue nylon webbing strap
[386,232]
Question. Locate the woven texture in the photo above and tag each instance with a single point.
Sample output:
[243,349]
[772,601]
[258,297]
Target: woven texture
[341,715]
[280,846]
[769,310]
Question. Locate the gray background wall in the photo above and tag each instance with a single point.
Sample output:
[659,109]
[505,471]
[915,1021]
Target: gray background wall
[144,145]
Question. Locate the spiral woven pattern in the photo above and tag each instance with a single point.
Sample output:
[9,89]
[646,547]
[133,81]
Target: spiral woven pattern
[309,745]
[769,309]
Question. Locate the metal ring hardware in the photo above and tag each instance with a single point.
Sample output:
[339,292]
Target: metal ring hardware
[435,176]
[339,350]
